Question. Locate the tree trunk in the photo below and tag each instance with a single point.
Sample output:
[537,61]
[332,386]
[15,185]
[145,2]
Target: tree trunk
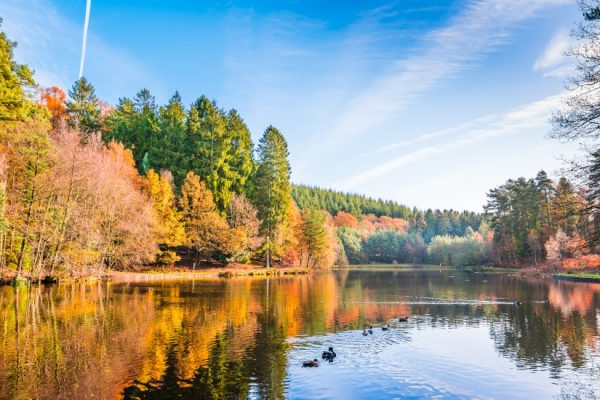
[27,220]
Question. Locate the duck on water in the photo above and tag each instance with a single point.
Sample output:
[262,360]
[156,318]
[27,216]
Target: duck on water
[328,355]
[311,363]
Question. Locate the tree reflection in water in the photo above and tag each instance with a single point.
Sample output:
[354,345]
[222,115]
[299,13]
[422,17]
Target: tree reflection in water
[228,338]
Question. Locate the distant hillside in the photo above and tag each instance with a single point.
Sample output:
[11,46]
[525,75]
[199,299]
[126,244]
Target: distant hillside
[428,222]
[334,201]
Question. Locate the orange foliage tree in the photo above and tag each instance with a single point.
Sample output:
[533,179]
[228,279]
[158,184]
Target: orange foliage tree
[206,230]
[346,219]
[54,98]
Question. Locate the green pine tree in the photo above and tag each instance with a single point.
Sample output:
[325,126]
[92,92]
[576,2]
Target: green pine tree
[83,108]
[271,193]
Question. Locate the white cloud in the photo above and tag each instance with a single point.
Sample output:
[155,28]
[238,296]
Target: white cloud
[479,29]
[450,179]
[429,136]
[533,115]
[553,61]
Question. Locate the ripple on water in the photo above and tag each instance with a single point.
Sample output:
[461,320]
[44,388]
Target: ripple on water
[411,362]
[364,368]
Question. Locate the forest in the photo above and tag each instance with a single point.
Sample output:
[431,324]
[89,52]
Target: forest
[86,186]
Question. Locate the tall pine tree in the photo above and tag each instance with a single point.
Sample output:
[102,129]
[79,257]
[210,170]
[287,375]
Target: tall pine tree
[209,148]
[83,108]
[271,192]
[240,158]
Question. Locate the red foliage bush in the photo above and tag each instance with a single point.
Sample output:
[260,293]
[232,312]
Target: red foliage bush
[586,262]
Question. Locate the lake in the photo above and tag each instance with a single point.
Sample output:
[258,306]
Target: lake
[247,338]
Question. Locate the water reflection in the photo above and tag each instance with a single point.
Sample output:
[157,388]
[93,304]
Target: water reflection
[231,338]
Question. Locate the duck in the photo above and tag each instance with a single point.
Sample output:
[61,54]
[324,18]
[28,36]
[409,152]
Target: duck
[311,363]
[403,319]
[329,354]
[370,330]
[385,328]
[364,332]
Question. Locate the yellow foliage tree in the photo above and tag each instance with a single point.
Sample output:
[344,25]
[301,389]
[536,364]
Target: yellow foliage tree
[206,230]
[170,228]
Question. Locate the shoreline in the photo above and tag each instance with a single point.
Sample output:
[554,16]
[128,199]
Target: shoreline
[242,270]
[209,273]
[161,274]
[586,278]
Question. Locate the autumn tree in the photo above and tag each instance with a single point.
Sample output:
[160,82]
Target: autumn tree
[54,98]
[28,160]
[561,246]
[244,225]
[113,218]
[205,228]
[345,219]
[271,192]
[169,228]
[287,244]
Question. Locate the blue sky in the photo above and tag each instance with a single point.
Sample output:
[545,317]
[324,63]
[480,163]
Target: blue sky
[427,103]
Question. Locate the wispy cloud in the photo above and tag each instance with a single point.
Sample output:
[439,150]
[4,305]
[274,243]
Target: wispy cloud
[428,136]
[529,116]
[553,60]
[448,180]
[479,29]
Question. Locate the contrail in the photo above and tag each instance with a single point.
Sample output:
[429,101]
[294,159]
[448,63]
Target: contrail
[85,30]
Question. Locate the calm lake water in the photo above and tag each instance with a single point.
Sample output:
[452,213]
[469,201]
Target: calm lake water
[247,338]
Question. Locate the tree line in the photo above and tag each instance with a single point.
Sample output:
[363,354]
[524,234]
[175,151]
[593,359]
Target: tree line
[537,220]
[429,223]
[85,186]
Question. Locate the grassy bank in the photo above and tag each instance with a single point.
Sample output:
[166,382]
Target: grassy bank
[476,269]
[579,277]
[388,266]
[155,274]
[187,274]
[490,269]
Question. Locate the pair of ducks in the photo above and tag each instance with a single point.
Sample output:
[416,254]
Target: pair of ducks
[383,328]
[328,355]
